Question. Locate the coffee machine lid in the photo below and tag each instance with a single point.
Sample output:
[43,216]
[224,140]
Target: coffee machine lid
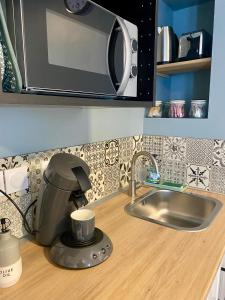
[60,171]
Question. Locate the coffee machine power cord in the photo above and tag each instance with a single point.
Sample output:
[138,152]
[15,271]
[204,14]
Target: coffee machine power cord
[23,215]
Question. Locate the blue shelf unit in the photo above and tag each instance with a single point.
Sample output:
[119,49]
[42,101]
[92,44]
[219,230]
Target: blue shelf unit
[185,16]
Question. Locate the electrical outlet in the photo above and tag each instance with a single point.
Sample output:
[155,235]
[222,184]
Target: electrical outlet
[16,179]
[2,182]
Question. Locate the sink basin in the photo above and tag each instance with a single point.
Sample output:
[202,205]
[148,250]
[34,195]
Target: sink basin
[181,211]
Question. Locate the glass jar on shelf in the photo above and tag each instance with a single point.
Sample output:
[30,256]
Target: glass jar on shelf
[156,110]
[166,109]
[198,109]
[177,109]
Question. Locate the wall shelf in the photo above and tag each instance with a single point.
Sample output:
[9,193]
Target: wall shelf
[48,100]
[184,66]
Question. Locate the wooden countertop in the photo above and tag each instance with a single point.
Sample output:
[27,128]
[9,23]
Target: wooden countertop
[148,262]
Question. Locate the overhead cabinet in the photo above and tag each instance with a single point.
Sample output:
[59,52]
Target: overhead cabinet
[85,53]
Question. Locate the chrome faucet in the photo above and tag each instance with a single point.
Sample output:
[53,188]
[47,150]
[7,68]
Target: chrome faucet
[132,184]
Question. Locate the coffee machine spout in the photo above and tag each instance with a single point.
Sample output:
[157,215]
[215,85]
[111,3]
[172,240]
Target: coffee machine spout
[78,198]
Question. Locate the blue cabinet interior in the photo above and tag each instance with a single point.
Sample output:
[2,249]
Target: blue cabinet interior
[213,127]
[184,19]
[179,4]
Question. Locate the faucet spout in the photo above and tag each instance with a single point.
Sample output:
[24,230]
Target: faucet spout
[132,185]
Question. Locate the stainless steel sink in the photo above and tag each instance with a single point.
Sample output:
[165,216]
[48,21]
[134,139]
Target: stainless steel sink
[181,211]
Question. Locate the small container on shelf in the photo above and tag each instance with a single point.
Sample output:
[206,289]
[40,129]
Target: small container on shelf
[177,109]
[198,109]
[166,109]
[156,111]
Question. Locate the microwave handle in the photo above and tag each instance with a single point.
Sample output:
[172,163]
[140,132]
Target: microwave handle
[127,57]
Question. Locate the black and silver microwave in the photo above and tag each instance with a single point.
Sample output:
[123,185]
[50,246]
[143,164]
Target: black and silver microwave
[73,47]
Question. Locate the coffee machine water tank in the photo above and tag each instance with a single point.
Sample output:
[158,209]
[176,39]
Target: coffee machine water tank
[62,190]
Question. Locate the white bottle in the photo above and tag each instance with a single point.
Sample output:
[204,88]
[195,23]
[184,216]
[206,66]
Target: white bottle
[10,259]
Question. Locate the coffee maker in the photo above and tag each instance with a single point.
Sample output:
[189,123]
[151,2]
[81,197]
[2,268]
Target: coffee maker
[62,191]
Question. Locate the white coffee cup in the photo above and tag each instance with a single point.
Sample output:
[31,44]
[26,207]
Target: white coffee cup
[83,224]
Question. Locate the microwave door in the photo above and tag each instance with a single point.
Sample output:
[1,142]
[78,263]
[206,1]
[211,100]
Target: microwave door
[63,51]
[123,57]
[120,56]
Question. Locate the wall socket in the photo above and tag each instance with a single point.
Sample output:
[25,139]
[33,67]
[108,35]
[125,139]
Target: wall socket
[16,179]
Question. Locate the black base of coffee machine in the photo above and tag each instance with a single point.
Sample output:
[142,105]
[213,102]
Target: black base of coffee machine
[69,253]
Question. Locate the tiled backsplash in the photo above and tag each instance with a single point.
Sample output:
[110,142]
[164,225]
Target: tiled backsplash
[109,162]
[198,162]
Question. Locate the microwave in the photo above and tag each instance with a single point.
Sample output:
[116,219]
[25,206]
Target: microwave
[73,47]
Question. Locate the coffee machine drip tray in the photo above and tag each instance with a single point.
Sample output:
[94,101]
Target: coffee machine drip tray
[68,240]
[69,253]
